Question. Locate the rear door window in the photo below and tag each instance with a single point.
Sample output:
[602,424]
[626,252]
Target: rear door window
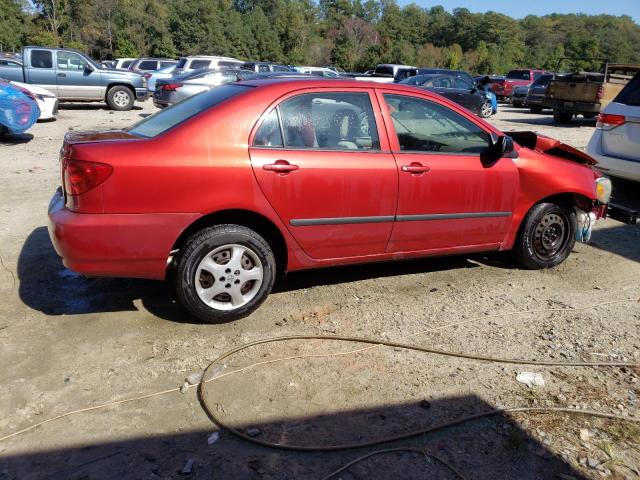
[41,59]
[630,94]
[196,64]
[148,65]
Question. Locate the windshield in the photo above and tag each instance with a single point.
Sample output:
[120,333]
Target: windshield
[518,75]
[174,115]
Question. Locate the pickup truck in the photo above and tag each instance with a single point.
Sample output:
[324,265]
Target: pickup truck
[503,86]
[74,77]
[586,93]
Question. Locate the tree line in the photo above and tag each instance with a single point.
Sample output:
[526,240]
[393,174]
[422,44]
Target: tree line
[352,34]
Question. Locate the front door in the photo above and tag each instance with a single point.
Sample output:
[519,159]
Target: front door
[76,79]
[326,171]
[448,196]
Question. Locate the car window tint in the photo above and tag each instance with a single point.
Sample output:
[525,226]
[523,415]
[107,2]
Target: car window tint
[126,63]
[329,121]
[442,82]
[460,83]
[41,59]
[196,64]
[630,94]
[148,65]
[426,126]
[70,61]
[171,116]
[279,68]
[263,68]
[518,75]
[182,62]
[9,63]
[269,134]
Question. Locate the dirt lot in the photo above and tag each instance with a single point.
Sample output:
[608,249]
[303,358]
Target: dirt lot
[69,343]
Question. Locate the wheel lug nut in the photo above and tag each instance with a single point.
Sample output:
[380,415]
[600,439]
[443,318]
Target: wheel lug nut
[228,270]
[222,279]
[237,282]
[237,272]
[228,285]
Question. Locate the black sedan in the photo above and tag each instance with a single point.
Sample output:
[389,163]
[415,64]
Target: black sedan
[456,89]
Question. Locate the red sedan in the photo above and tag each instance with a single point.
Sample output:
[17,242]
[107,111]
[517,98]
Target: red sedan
[237,185]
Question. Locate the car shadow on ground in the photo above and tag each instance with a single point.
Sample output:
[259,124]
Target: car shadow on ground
[622,240]
[15,139]
[47,286]
[90,106]
[495,447]
[548,121]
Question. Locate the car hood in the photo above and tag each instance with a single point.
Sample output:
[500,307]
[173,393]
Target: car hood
[551,146]
[34,89]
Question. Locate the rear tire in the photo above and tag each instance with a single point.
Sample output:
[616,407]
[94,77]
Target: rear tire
[560,116]
[224,273]
[120,98]
[486,110]
[546,236]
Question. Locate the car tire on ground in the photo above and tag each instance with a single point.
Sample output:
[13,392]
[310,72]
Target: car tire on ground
[560,116]
[535,109]
[486,110]
[546,236]
[120,98]
[224,273]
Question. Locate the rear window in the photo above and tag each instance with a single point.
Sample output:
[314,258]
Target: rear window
[384,70]
[41,59]
[630,94]
[518,75]
[148,65]
[181,63]
[196,64]
[174,115]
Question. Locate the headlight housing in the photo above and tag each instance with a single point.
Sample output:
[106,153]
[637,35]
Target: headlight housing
[603,190]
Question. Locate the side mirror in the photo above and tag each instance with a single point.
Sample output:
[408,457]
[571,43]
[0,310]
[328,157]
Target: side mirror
[501,145]
[88,68]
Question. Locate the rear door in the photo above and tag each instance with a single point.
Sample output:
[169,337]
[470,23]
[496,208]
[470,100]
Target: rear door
[623,140]
[39,69]
[324,166]
[468,95]
[449,197]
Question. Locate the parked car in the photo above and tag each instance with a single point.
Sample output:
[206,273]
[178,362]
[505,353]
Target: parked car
[537,93]
[143,65]
[199,62]
[123,63]
[108,64]
[235,186]
[503,87]
[18,109]
[455,89]
[177,88]
[317,71]
[73,76]
[264,67]
[586,93]
[153,77]
[46,100]
[616,142]
[403,73]
[518,96]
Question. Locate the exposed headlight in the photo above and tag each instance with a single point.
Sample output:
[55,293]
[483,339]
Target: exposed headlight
[603,190]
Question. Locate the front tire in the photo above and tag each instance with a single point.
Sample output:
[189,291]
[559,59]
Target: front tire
[560,116]
[546,236]
[224,273]
[120,98]
[486,110]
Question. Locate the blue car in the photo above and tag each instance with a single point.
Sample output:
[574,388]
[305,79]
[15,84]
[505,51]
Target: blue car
[484,85]
[18,110]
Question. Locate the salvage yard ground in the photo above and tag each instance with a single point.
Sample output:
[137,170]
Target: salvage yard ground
[68,342]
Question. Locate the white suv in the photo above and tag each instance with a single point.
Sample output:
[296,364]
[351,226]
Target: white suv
[186,64]
[615,144]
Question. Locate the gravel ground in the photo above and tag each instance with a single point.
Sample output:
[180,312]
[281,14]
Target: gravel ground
[70,343]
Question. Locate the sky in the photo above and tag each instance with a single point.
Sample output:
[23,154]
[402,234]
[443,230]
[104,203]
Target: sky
[520,9]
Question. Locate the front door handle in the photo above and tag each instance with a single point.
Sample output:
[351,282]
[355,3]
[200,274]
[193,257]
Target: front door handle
[415,168]
[281,166]
[62,74]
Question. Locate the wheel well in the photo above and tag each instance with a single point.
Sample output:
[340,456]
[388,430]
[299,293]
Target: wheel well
[111,85]
[256,222]
[569,200]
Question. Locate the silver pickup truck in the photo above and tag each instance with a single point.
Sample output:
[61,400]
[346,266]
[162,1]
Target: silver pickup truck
[74,77]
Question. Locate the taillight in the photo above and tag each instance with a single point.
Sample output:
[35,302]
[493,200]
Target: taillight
[171,87]
[81,176]
[607,121]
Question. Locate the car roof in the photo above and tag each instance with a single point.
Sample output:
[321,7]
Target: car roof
[320,82]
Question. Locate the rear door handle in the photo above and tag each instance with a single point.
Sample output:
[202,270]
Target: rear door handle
[281,166]
[62,74]
[415,168]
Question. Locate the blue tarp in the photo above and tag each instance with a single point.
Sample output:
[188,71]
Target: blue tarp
[18,112]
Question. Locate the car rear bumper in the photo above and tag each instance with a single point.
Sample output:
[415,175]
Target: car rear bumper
[613,166]
[115,245]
